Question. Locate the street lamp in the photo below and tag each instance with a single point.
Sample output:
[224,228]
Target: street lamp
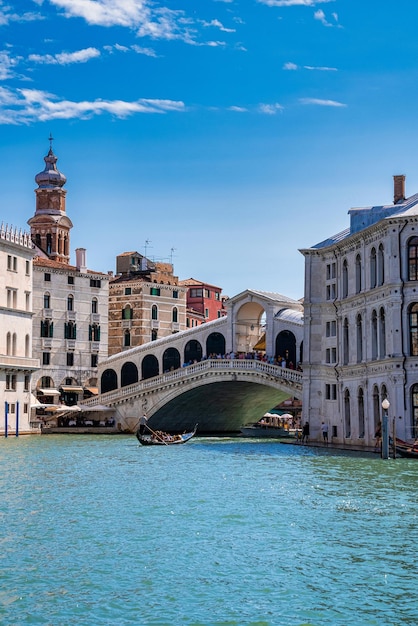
[385,429]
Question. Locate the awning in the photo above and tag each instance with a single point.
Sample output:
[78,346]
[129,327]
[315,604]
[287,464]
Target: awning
[72,388]
[261,343]
[94,407]
[93,390]
[49,392]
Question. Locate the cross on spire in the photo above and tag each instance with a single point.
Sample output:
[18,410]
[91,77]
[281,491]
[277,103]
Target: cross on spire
[50,139]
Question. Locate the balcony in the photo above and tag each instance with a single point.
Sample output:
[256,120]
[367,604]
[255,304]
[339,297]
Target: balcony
[126,324]
[71,316]
[155,324]
[175,326]
[95,346]
[71,344]
[95,318]
[46,342]
[47,314]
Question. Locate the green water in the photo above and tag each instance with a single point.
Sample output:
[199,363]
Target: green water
[97,530]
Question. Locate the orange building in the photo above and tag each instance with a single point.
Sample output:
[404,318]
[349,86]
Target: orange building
[204,302]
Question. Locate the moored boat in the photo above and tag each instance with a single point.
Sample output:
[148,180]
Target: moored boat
[160,438]
[270,427]
[405,449]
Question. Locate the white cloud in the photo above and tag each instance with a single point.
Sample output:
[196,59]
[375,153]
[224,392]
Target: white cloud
[293,3]
[237,109]
[218,24]
[7,16]
[7,63]
[290,66]
[320,15]
[66,58]
[26,106]
[323,103]
[270,109]
[320,68]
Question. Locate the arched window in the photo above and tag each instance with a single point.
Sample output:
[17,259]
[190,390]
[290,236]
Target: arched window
[345,278]
[94,332]
[127,312]
[414,411]
[381,266]
[376,407]
[413,259]
[27,345]
[154,312]
[70,303]
[49,243]
[8,344]
[347,415]
[361,422]
[346,343]
[175,314]
[38,240]
[374,335]
[47,300]
[127,339]
[382,334]
[94,305]
[359,326]
[373,274]
[413,329]
[14,344]
[358,273]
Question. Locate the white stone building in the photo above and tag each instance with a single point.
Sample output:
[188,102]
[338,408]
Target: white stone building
[361,324]
[70,302]
[16,362]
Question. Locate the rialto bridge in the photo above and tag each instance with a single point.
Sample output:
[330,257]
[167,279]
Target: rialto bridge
[209,374]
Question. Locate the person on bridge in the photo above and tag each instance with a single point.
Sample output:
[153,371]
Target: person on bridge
[142,423]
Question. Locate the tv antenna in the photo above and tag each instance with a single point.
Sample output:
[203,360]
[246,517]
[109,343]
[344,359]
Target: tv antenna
[172,254]
[147,242]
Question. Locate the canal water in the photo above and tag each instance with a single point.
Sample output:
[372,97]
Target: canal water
[98,530]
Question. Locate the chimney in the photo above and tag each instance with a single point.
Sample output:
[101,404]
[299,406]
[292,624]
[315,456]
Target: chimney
[398,188]
[80,259]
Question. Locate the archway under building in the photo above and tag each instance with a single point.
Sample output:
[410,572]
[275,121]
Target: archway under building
[193,351]
[171,359]
[149,367]
[215,344]
[286,347]
[129,374]
[108,381]
[249,326]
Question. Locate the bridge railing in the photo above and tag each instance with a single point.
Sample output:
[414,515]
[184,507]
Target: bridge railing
[232,365]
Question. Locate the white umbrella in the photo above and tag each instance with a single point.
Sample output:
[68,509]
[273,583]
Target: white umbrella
[89,408]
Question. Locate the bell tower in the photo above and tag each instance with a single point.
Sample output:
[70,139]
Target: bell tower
[50,227]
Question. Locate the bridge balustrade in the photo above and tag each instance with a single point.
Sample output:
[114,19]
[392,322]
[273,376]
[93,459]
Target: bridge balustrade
[189,371]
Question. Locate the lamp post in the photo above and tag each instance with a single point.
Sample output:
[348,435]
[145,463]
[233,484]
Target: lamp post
[385,429]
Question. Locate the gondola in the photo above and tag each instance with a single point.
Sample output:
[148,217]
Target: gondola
[158,438]
[408,450]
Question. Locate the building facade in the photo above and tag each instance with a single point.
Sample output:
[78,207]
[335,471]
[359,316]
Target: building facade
[16,362]
[146,302]
[204,302]
[70,302]
[361,324]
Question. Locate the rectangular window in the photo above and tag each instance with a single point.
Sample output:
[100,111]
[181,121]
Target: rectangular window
[70,280]
[128,291]
[328,292]
[46,358]
[47,277]
[9,261]
[217,295]
[328,355]
[207,293]
[196,293]
[25,408]
[155,291]
[27,301]
[175,294]
[94,360]
[333,355]
[327,392]
[26,383]
[94,282]
[12,408]
[206,313]
[27,266]
[70,359]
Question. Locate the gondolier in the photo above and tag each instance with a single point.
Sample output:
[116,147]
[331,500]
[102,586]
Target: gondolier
[142,423]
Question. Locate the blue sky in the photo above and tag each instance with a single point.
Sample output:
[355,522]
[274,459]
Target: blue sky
[227,134]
